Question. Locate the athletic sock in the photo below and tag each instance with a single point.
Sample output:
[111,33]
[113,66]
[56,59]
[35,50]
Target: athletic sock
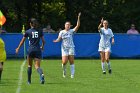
[39,70]
[29,74]
[64,69]
[72,67]
[109,66]
[103,66]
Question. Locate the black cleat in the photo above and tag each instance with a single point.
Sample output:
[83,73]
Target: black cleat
[104,72]
[109,71]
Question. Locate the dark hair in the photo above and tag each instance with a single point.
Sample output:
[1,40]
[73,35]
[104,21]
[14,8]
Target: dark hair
[34,23]
[67,22]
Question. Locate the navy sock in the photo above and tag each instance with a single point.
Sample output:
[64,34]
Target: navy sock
[39,70]
[29,73]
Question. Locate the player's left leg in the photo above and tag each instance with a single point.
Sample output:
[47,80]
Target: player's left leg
[72,66]
[39,70]
[71,60]
[1,69]
[29,70]
[107,56]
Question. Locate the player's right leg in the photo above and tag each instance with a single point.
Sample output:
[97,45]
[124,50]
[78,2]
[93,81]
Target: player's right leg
[102,55]
[29,70]
[64,62]
[65,54]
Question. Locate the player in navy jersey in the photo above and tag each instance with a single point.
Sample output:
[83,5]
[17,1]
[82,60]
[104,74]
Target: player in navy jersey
[34,50]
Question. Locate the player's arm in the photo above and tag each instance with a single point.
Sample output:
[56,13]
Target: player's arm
[20,44]
[57,40]
[100,25]
[43,42]
[78,23]
[113,41]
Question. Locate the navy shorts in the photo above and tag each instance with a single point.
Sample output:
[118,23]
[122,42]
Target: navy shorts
[35,54]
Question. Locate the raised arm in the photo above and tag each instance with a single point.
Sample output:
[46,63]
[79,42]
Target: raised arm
[78,22]
[43,42]
[100,25]
[20,44]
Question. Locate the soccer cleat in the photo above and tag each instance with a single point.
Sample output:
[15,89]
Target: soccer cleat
[29,82]
[109,71]
[64,74]
[72,76]
[104,72]
[42,80]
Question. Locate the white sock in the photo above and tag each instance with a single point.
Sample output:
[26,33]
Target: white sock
[103,66]
[72,68]
[108,64]
[64,69]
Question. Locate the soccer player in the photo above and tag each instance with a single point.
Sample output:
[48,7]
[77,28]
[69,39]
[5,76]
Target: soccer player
[104,45]
[67,46]
[2,56]
[34,50]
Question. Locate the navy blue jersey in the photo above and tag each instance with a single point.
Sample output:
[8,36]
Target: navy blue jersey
[34,39]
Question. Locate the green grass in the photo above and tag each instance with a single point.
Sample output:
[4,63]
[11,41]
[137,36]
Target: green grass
[88,77]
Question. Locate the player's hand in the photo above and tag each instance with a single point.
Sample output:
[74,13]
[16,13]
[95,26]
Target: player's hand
[54,41]
[79,14]
[17,49]
[42,48]
[102,20]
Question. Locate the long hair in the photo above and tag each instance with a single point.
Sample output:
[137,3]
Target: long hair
[34,23]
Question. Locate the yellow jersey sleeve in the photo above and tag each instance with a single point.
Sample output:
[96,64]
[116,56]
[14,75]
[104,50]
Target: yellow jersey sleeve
[2,51]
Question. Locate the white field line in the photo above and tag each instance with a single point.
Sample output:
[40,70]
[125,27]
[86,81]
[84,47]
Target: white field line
[20,77]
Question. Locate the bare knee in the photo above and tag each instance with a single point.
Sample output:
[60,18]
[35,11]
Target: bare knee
[102,59]
[37,63]
[36,66]
[64,60]
[71,59]
[107,59]
[102,55]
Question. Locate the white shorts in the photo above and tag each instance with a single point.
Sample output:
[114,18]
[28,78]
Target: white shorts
[68,51]
[104,49]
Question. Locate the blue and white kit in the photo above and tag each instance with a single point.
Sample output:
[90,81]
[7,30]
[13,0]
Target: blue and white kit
[67,46]
[106,35]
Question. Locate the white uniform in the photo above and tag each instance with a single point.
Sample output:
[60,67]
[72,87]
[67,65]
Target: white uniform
[105,35]
[67,46]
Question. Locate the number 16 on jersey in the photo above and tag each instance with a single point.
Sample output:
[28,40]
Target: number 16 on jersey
[34,34]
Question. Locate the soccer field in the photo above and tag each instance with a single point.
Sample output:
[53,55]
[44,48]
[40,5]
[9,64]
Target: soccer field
[88,77]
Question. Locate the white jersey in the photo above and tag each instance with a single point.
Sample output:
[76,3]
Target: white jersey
[105,34]
[67,38]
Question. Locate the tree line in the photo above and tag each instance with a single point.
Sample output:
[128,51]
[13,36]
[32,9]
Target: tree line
[119,13]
